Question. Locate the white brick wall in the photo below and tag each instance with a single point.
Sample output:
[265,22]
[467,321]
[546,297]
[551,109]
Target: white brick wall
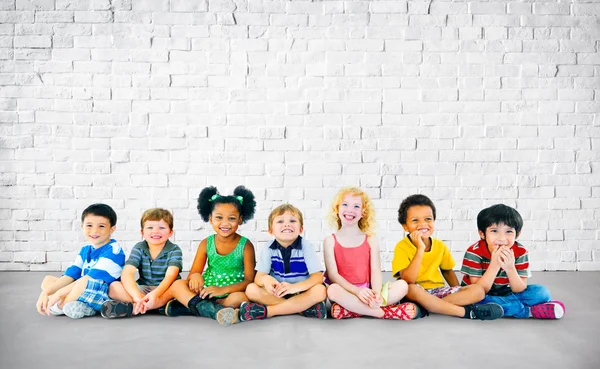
[142,103]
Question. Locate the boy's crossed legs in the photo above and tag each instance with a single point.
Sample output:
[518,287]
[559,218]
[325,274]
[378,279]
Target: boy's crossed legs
[308,303]
[85,297]
[457,304]
[534,302]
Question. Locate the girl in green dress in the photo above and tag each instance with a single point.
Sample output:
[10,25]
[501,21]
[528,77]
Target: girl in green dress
[229,258]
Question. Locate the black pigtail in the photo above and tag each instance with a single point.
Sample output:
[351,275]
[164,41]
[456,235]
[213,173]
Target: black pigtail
[205,206]
[248,206]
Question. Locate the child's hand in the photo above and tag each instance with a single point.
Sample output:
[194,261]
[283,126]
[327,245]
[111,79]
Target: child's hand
[42,303]
[496,260]
[270,284]
[211,291]
[285,288]
[196,283]
[365,295]
[138,305]
[376,302]
[150,300]
[508,258]
[417,239]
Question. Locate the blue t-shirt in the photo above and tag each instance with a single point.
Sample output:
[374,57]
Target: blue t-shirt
[104,263]
[291,264]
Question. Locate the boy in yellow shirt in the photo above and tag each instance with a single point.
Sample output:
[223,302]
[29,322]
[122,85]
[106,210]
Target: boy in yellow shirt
[421,261]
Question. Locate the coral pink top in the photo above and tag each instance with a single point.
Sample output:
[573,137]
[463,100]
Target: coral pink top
[354,263]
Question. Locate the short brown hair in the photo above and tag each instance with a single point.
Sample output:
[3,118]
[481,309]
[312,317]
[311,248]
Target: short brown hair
[282,209]
[157,214]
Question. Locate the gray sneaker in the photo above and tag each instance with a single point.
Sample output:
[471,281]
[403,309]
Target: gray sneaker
[116,309]
[78,309]
[490,311]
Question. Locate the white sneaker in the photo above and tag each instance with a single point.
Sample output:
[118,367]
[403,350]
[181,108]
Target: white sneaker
[78,309]
[55,310]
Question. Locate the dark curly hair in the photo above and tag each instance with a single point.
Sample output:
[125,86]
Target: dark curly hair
[499,214]
[414,200]
[246,207]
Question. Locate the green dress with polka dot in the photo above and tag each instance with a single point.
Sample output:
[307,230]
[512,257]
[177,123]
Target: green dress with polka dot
[224,270]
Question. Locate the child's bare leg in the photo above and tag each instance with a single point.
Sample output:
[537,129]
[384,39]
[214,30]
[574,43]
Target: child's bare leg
[432,303]
[77,290]
[164,298]
[466,295]
[180,290]
[396,291]
[234,300]
[338,294]
[48,281]
[298,303]
[116,291]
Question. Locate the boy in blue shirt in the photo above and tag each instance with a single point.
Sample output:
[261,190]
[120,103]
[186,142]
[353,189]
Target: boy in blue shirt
[83,288]
[289,278]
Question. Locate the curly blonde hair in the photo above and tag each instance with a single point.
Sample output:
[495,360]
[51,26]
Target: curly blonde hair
[366,223]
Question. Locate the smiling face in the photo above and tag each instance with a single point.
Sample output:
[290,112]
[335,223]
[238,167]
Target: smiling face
[156,232]
[350,210]
[498,235]
[419,218]
[97,230]
[286,228]
[225,219]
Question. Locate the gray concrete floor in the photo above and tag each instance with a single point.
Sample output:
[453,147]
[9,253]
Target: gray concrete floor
[29,340]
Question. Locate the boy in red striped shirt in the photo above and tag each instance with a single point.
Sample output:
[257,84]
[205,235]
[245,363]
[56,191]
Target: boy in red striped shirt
[501,265]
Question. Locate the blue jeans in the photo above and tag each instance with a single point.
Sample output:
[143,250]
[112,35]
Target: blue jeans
[517,304]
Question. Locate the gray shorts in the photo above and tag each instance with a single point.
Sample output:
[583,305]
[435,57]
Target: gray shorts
[146,289]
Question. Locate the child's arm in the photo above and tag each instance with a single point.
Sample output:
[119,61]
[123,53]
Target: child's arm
[170,276]
[285,288]
[129,283]
[487,279]
[42,302]
[266,281]
[375,268]
[195,280]
[450,277]
[249,263]
[412,270]
[507,262]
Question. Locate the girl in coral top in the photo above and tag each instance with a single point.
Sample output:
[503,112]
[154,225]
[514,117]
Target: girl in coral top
[353,265]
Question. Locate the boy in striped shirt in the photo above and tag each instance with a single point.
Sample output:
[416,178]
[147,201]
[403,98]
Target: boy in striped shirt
[83,287]
[158,261]
[501,265]
[289,278]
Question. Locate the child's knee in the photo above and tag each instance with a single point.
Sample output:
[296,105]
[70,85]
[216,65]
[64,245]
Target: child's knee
[252,291]
[319,291]
[478,291]
[400,286]
[179,284]
[334,291]
[540,292]
[114,289]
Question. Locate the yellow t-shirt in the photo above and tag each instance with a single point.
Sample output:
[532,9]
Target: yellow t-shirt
[437,258]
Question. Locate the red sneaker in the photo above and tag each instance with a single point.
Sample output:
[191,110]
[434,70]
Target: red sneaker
[548,310]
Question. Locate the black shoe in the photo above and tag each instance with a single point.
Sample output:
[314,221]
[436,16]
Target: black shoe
[318,311]
[488,311]
[116,309]
[176,308]
[252,311]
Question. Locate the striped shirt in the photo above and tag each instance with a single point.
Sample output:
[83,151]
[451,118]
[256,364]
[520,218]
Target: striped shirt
[477,260]
[103,263]
[152,272]
[291,264]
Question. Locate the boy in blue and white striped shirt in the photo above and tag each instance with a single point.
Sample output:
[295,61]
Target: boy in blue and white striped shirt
[83,288]
[289,278]
[158,261]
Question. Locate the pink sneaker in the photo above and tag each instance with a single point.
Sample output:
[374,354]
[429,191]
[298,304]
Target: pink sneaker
[548,310]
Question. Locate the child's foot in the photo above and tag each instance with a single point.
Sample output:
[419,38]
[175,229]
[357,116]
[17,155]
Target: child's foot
[340,312]
[116,309]
[316,311]
[55,310]
[488,311]
[548,310]
[252,311]
[176,308]
[78,309]
[227,316]
[404,311]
